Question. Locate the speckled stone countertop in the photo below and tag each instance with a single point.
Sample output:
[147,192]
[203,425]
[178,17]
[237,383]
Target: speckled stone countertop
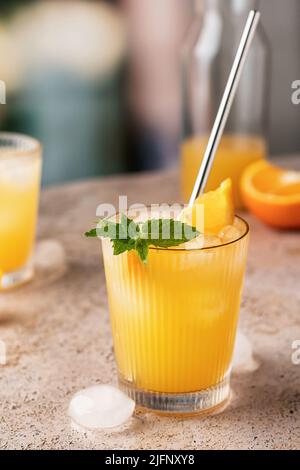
[57,334]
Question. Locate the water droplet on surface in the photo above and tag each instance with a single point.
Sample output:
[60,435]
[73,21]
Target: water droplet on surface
[243,360]
[100,407]
[49,256]
[50,262]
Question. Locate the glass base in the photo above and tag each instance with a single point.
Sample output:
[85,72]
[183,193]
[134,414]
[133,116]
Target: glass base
[16,278]
[209,401]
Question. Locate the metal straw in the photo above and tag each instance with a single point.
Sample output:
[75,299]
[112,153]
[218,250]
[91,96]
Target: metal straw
[225,106]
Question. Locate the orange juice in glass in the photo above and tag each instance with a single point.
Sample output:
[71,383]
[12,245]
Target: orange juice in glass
[20,168]
[235,153]
[174,320]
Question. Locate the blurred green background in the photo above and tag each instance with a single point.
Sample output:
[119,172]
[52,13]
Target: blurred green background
[98,81]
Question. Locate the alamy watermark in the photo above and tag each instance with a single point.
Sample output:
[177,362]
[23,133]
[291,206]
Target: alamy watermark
[140,213]
[296,93]
[296,352]
[2,353]
[2,92]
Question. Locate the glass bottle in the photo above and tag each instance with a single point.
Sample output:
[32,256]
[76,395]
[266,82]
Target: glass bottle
[208,54]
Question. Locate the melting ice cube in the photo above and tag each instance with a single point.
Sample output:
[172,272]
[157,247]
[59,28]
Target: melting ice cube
[229,233]
[101,406]
[243,360]
[19,174]
[211,241]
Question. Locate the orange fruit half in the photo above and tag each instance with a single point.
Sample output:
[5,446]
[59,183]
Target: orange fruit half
[272,194]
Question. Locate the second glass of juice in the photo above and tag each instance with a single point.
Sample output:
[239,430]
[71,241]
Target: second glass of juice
[20,169]
[174,321]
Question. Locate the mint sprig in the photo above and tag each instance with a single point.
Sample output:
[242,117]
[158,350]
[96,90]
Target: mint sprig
[128,235]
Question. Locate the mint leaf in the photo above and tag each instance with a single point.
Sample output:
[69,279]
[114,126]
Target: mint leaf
[91,233]
[128,228]
[142,249]
[128,235]
[166,233]
[106,229]
[120,246]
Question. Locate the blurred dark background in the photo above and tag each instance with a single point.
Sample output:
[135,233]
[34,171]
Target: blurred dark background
[98,82]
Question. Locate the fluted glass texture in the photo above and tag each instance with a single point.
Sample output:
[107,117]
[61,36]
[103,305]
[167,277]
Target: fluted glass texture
[174,319]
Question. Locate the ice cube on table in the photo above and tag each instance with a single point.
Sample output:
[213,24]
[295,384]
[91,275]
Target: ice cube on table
[243,360]
[101,406]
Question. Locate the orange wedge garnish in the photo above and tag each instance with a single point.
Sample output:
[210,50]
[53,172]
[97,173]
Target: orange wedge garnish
[212,211]
[272,194]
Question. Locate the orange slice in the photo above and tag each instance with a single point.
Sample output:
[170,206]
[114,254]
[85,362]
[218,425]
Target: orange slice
[272,194]
[212,211]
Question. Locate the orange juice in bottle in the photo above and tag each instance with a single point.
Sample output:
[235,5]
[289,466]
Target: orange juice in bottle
[208,50]
[234,154]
